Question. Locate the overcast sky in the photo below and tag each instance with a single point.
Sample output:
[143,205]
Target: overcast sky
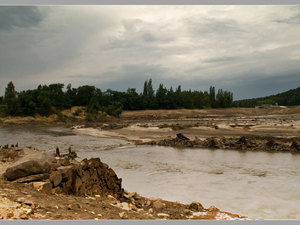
[249,50]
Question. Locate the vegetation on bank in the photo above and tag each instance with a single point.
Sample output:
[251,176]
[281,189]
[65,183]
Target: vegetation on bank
[49,99]
[288,98]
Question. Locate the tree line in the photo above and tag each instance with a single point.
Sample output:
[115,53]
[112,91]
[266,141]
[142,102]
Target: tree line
[49,99]
[288,98]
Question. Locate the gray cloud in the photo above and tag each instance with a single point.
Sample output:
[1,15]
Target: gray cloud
[22,16]
[124,77]
[238,48]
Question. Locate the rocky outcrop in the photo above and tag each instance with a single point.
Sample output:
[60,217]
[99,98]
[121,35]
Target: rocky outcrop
[88,177]
[249,143]
[56,175]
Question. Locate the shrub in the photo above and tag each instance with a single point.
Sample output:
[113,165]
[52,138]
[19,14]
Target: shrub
[77,112]
[89,117]
[115,109]
[3,110]
[61,117]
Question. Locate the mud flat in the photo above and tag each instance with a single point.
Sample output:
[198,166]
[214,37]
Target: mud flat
[275,129]
[62,188]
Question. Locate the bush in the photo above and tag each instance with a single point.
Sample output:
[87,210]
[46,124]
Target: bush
[77,112]
[3,110]
[89,117]
[61,117]
[114,109]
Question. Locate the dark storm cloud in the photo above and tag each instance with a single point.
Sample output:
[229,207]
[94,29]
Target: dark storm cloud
[19,16]
[262,86]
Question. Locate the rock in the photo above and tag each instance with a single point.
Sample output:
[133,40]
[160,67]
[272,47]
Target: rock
[31,178]
[78,183]
[163,215]
[242,140]
[55,178]
[24,217]
[187,212]
[295,145]
[110,197]
[10,215]
[211,142]
[31,164]
[95,162]
[148,203]
[85,175]
[44,187]
[213,208]
[196,206]
[132,207]
[73,206]
[125,206]
[65,171]
[158,205]
[123,215]
[182,137]
[150,210]
[57,190]
[64,161]
[270,143]
[132,194]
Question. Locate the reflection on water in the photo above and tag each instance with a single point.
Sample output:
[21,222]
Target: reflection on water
[255,184]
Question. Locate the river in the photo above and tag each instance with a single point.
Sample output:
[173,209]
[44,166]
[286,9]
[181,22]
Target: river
[259,185]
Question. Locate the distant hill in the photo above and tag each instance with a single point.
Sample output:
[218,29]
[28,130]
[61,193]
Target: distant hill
[288,98]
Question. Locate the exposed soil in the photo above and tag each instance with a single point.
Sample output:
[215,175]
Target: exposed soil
[23,201]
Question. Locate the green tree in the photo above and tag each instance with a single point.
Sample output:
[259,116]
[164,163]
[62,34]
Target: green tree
[11,99]
[133,101]
[161,97]
[148,95]
[44,102]
[57,95]
[84,94]
[212,96]
[171,104]
[27,102]
[93,105]
[178,97]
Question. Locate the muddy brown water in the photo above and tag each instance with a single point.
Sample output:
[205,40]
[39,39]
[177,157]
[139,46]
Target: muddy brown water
[259,185]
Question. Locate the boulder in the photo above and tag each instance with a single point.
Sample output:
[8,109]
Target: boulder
[158,205]
[55,178]
[31,164]
[44,187]
[65,171]
[196,206]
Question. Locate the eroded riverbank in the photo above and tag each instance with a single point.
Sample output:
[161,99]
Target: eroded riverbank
[251,180]
[59,188]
